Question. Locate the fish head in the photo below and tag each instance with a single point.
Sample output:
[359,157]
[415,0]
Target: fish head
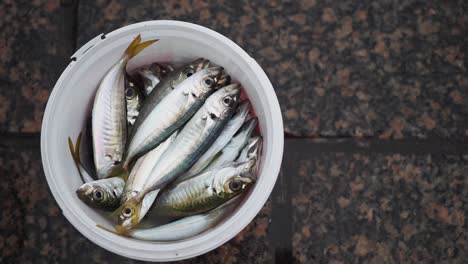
[254,146]
[190,69]
[202,83]
[234,179]
[246,167]
[160,70]
[221,104]
[129,215]
[222,80]
[131,91]
[133,94]
[99,195]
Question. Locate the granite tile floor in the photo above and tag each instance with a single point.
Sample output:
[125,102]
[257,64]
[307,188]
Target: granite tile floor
[374,102]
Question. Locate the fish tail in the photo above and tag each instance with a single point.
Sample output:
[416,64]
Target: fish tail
[75,153]
[136,47]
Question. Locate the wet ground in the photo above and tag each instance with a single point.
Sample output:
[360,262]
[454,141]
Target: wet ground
[374,102]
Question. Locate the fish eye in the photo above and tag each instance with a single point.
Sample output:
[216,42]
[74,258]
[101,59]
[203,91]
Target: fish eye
[129,92]
[209,82]
[98,195]
[227,101]
[235,186]
[127,212]
[189,73]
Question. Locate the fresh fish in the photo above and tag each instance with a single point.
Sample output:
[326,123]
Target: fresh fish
[232,149]
[109,124]
[205,191]
[134,97]
[143,168]
[251,150]
[148,77]
[196,136]
[165,86]
[75,152]
[102,194]
[171,113]
[186,227]
[226,135]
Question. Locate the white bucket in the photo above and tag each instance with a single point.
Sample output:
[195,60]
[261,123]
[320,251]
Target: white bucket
[70,104]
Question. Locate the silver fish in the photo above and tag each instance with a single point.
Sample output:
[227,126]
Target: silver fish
[134,97]
[226,135]
[186,227]
[205,191]
[171,113]
[143,167]
[251,150]
[165,86]
[102,194]
[233,148]
[151,75]
[109,124]
[196,136]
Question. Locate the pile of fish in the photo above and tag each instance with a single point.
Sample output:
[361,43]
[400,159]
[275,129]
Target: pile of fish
[168,141]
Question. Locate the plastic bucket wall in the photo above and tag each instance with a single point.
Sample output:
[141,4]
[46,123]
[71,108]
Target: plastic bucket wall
[70,104]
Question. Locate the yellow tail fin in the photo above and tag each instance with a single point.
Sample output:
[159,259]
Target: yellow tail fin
[136,47]
[75,153]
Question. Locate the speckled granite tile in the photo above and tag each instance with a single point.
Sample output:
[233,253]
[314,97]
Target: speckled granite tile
[380,209]
[391,69]
[249,246]
[35,44]
[33,229]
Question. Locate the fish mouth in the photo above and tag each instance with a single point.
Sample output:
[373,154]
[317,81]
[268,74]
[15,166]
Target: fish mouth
[83,192]
[223,80]
[247,179]
[201,64]
[247,169]
[233,90]
[161,69]
[214,72]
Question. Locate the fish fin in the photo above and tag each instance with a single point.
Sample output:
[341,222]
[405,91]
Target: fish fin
[120,231]
[85,175]
[76,159]
[77,148]
[132,45]
[136,47]
[143,46]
